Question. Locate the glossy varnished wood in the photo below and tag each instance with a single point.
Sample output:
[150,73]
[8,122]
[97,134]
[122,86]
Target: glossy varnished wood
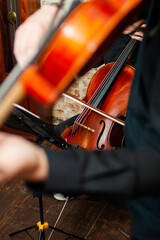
[23,9]
[2,66]
[104,133]
[5,43]
[27,7]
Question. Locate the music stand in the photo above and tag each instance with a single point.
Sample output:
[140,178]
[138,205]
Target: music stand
[43,131]
[24,120]
[41,225]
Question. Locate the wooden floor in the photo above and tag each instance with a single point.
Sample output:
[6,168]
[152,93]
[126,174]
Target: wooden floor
[87,218]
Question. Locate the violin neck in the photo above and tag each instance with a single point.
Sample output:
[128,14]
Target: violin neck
[124,55]
[112,74]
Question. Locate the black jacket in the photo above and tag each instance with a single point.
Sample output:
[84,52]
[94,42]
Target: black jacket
[134,170]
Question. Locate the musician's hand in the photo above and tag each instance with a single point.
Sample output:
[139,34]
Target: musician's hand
[21,159]
[131,30]
[29,35]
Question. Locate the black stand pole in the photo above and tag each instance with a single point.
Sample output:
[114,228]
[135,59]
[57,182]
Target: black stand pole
[41,225]
[42,234]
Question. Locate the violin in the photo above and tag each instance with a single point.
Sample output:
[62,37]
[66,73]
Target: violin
[65,51]
[109,91]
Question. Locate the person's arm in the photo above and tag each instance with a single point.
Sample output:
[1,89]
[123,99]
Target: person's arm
[29,35]
[21,159]
[122,173]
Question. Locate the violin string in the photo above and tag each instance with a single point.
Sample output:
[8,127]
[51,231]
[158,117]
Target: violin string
[105,84]
[110,75]
[96,97]
[17,70]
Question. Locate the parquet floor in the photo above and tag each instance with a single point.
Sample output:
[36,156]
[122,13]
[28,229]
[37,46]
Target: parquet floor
[87,218]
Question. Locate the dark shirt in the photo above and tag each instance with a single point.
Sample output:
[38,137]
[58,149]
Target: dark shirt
[116,49]
[134,170]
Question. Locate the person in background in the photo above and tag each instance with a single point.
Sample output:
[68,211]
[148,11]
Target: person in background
[130,173]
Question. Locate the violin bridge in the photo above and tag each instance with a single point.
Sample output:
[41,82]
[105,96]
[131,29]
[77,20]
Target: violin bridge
[85,127]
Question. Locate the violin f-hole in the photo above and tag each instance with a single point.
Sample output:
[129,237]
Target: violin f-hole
[100,135]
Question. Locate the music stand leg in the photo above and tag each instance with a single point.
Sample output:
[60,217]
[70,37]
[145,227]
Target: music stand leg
[68,234]
[22,230]
[41,225]
[40,234]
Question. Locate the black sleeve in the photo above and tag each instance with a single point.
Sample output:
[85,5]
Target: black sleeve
[118,173]
[123,172]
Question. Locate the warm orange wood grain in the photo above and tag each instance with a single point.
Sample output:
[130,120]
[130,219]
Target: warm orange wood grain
[115,104]
[2,66]
[27,7]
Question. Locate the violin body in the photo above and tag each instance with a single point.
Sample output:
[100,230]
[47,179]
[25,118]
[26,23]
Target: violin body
[66,50]
[97,132]
[74,45]
[22,10]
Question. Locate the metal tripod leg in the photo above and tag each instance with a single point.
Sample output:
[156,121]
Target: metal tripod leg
[22,230]
[40,225]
